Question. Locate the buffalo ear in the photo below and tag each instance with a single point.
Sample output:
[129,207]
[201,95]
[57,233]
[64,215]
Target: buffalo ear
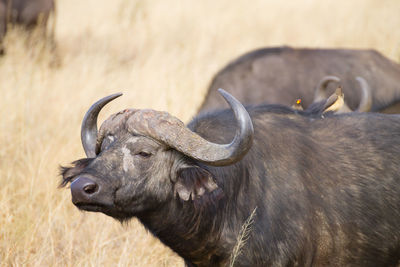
[68,173]
[195,183]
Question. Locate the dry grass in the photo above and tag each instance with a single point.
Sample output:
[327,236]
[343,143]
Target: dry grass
[242,237]
[161,54]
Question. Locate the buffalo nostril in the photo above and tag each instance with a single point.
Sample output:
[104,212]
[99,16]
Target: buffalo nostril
[83,189]
[90,188]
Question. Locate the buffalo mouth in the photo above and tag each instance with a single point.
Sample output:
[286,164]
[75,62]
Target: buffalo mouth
[109,210]
[91,207]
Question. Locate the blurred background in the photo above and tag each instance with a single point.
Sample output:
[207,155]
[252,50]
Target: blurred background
[161,54]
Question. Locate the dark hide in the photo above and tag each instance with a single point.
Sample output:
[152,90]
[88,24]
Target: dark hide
[281,74]
[327,190]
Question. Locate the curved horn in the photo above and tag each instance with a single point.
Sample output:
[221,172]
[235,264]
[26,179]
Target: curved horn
[227,154]
[366,100]
[171,131]
[320,93]
[89,125]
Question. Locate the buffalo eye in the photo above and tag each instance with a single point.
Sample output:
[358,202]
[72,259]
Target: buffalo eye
[107,142]
[144,154]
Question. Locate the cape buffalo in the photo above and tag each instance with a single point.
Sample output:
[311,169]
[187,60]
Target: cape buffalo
[279,75]
[28,13]
[310,191]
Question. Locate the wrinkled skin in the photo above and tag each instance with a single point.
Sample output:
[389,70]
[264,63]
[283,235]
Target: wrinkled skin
[279,75]
[327,191]
[28,13]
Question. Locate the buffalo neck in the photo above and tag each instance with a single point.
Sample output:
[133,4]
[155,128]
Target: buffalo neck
[192,233]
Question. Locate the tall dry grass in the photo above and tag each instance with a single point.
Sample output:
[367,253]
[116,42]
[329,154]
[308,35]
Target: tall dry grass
[162,55]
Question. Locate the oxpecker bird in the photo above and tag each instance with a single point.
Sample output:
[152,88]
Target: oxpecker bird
[335,102]
[297,105]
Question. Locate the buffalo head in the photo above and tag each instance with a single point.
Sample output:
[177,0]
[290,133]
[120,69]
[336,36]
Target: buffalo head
[141,159]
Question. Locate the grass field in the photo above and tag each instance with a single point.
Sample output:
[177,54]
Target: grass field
[161,54]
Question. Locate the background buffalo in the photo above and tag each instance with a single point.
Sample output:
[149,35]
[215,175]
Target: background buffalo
[30,14]
[275,75]
[161,55]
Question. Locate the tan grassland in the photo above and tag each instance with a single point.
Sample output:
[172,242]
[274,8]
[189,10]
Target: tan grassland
[161,54]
